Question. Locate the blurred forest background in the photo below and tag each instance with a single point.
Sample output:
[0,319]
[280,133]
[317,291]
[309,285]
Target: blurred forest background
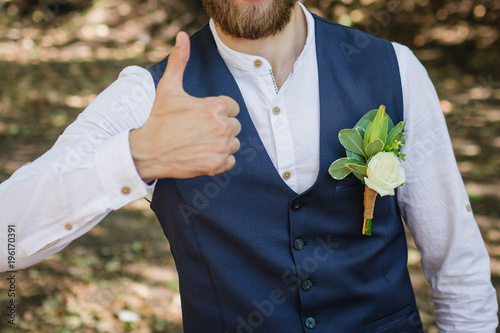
[57,55]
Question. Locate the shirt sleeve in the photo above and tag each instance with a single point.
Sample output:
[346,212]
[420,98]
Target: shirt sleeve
[88,173]
[436,209]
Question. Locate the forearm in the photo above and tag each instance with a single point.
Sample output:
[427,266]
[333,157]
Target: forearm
[88,173]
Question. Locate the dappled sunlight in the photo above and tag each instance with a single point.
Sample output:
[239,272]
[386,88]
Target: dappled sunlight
[55,60]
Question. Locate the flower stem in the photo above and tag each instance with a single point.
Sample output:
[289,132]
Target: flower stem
[369,204]
[367,227]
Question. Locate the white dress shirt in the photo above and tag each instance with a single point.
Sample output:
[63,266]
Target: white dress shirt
[89,172]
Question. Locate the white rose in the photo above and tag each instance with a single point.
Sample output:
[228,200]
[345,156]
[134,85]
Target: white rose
[385,173]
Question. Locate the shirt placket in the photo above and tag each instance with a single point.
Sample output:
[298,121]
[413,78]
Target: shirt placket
[285,152]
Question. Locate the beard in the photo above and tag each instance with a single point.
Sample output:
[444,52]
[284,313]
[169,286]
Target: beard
[250,21]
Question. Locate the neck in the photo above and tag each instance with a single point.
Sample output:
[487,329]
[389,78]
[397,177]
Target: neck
[280,50]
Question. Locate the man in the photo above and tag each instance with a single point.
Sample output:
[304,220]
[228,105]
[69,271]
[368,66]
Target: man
[264,239]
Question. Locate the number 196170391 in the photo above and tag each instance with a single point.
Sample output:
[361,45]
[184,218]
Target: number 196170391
[11,246]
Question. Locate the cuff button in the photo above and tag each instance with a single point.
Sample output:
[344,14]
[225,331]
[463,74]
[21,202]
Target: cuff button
[125,190]
[68,226]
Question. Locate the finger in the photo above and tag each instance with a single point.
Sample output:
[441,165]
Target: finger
[177,61]
[235,146]
[231,161]
[236,125]
[232,106]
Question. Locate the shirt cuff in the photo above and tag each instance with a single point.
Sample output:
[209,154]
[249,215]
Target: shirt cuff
[117,172]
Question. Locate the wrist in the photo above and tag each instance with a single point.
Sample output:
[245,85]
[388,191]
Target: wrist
[140,156]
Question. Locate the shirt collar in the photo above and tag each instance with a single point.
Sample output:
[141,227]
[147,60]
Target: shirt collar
[246,62]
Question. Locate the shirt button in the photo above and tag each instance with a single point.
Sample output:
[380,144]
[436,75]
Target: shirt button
[307,285]
[286,175]
[68,226]
[257,63]
[298,244]
[469,208]
[310,322]
[125,190]
[276,110]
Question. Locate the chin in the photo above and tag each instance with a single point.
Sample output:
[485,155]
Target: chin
[251,2]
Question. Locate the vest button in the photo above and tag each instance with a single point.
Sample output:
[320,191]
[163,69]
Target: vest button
[310,322]
[296,205]
[307,285]
[298,244]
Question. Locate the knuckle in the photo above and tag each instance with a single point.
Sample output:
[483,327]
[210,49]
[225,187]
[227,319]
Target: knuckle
[222,148]
[217,105]
[224,128]
[216,166]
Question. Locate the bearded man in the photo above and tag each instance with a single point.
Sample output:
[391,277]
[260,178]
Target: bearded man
[235,132]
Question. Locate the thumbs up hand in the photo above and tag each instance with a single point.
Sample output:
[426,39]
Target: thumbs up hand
[185,136]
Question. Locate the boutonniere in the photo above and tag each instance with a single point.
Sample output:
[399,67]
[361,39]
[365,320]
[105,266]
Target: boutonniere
[372,149]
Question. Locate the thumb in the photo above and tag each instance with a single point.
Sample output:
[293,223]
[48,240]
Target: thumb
[177,61]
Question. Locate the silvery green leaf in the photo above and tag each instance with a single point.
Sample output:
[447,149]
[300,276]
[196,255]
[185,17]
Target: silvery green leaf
[358,168]
[352,141]
[374,147]
[401,136]
[338,169]
[360,158]
[360,130]
[395,131]
[366,119]
[359,176]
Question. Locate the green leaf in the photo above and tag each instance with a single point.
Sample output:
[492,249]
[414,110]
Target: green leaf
[395,131]
[366,139]
[374,147]
[338,169]
[401,136]
[377,125]
[360,158]
[360,130]
[383,132]
[352,141]
[358,168]
[359,176]
[366,119]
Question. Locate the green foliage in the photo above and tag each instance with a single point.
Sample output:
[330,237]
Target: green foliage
[360,158]
[394,132]
[339,169]
[361,169]
[374,147]
[373,133]
[352,141]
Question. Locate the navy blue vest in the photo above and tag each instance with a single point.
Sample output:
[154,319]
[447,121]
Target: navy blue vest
[252,255]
